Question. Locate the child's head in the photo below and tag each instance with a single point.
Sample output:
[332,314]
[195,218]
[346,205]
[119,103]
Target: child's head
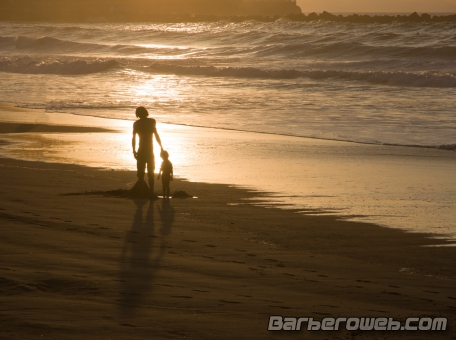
[141,112]
[164,154]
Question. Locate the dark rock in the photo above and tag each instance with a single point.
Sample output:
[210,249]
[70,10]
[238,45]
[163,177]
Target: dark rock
[313,16]
[414,17]
[425,17]
[327,16]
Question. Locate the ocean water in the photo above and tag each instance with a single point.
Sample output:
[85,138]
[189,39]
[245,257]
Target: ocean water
[385,85]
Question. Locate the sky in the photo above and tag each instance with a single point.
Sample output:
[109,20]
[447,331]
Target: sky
[410,6]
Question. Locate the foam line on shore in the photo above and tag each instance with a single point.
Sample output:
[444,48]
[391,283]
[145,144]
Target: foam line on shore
[449,146]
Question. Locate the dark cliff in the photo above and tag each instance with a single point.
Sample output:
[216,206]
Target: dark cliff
[139,10]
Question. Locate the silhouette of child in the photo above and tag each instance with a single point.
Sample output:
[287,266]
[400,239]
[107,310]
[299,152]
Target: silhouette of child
[166,171]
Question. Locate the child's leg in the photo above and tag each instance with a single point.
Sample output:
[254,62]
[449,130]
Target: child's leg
[166,187]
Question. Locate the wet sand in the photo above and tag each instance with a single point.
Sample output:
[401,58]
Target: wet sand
[97,266]
[399,187]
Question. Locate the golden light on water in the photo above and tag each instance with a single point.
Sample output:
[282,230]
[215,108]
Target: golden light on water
[150,88]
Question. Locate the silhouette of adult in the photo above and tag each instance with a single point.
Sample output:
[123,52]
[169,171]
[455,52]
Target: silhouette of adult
[145,128]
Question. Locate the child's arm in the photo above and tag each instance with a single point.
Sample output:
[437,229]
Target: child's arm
[159,173]
[172,175]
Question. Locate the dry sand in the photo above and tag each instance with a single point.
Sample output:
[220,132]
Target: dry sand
[91,266]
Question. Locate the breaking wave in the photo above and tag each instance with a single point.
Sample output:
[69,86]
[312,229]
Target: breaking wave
[397,78]
[29,65]
[44,45]
[253,43]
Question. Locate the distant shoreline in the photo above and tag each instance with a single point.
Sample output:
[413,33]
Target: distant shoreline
[373,18]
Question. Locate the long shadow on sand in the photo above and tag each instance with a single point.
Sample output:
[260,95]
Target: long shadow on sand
[142,256]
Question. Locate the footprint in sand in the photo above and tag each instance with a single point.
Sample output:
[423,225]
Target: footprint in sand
[182,297]
[391,293]
[166,285]
[378,311]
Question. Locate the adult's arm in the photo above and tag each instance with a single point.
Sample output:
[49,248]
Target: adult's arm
[133,141]
[157,137]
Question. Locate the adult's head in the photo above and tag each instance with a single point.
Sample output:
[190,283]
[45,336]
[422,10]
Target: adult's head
[141,112]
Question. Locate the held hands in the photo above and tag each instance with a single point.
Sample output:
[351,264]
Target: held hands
[135,154]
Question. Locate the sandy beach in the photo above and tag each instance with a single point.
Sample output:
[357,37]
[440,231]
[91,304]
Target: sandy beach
[79,264]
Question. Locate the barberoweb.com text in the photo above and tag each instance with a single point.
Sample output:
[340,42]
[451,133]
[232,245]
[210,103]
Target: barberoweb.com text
[280,323]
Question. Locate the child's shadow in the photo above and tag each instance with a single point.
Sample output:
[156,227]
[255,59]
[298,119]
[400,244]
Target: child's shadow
[166,216]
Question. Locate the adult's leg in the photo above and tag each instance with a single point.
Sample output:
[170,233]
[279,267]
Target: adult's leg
[140,166]
[150,173]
